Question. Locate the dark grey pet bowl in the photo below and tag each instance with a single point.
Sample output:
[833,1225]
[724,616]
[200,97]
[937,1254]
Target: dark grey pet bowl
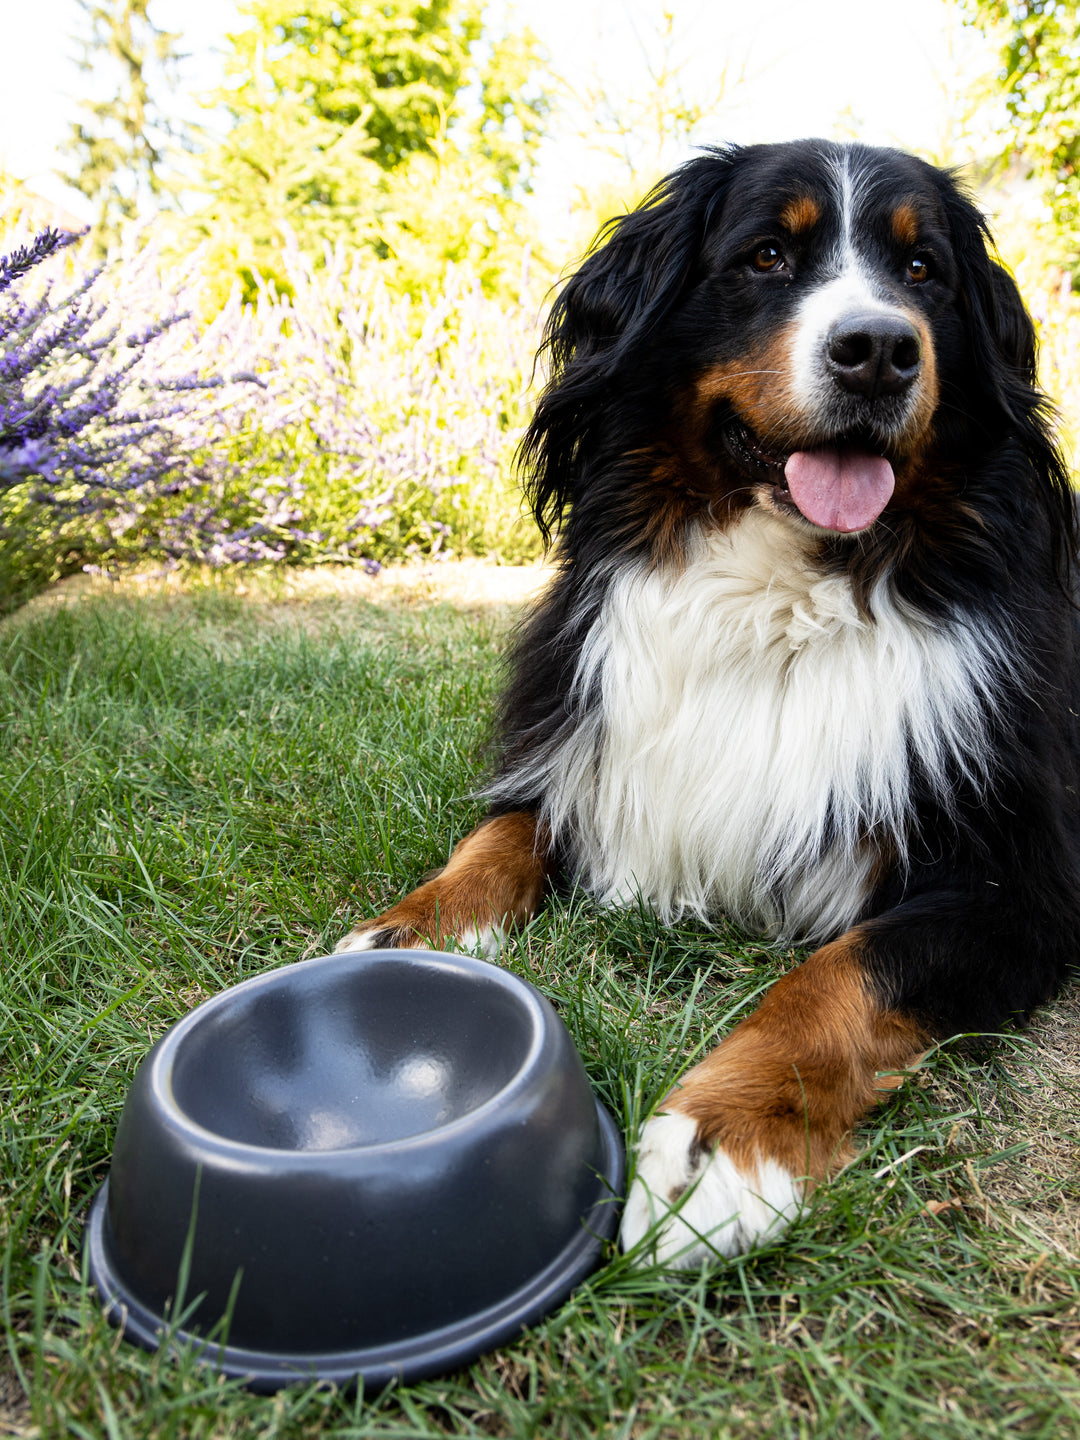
[378,1165]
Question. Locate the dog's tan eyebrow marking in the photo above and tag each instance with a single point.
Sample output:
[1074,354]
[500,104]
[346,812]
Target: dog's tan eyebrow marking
[905,223]
[800,214]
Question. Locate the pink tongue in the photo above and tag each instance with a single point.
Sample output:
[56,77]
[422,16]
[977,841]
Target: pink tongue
[841,490]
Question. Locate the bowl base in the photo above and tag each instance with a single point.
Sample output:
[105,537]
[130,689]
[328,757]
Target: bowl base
[418,1358]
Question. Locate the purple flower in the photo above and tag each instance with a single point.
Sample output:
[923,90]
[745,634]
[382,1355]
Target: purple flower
[338,420]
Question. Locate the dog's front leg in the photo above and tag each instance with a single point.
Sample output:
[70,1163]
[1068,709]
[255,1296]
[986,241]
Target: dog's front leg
[730,1153]
[495,878]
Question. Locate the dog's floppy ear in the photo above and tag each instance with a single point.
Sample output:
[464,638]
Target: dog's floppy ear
[1003,353]
[1011,324]
[636,271]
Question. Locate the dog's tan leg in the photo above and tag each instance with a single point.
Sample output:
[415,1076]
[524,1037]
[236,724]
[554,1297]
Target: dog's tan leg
[494,878]
[769,1112]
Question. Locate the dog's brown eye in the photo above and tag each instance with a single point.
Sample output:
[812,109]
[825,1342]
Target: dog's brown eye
[767,258]
[918,269]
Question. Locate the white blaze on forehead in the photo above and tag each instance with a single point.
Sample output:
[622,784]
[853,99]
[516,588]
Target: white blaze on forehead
[851,186]
[845,194]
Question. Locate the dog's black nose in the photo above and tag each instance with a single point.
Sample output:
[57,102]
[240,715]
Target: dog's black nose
[874,354]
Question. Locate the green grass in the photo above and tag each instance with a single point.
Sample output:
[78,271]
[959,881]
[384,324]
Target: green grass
[199,783]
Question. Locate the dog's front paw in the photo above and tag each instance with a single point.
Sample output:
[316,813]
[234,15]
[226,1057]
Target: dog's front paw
[375,935]
[383,934]
[694,1203]
[493,881]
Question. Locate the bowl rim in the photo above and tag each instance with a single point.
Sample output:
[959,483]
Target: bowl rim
[164,1055]
[418,1357]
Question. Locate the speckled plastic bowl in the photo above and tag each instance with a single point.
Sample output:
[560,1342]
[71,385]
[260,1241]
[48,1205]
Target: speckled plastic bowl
[397,1152]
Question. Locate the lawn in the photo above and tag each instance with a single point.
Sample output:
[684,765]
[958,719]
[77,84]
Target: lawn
[204,779]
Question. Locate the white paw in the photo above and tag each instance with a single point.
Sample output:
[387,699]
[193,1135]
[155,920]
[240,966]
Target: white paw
[361,940]
[701,1202]
[485,942]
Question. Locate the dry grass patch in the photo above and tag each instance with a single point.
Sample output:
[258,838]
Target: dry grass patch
[15,1418]
[468,584]
[1041,1187]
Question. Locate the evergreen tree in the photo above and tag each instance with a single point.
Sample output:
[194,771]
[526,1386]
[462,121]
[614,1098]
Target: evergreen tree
[402,125]
[395,69]
[120,149]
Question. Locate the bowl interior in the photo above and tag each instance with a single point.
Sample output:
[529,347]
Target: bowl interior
[337,1058]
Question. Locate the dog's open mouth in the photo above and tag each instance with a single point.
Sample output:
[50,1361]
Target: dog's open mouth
[842,487]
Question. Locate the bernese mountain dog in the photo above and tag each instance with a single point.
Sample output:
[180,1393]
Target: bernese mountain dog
[809,659]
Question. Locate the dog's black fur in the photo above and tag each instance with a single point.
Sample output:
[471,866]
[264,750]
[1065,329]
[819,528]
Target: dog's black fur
[685,373]
[986,922]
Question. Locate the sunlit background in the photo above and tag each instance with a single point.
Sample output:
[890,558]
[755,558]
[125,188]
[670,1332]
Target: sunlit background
[886,73]
[325,280]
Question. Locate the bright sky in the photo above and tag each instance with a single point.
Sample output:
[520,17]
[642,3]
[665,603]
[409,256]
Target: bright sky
[884,71]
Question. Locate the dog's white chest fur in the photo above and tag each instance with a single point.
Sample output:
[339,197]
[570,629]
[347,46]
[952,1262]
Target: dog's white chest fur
[754,736]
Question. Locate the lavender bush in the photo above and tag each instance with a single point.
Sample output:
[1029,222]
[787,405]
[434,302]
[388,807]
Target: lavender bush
[394,420]
[334,421]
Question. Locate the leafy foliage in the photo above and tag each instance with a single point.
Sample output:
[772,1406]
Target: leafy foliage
[396,71]
[1039,83]
[403,127]
[637,115]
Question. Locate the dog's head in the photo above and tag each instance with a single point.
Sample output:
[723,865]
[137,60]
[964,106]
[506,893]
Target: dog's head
[813,328]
